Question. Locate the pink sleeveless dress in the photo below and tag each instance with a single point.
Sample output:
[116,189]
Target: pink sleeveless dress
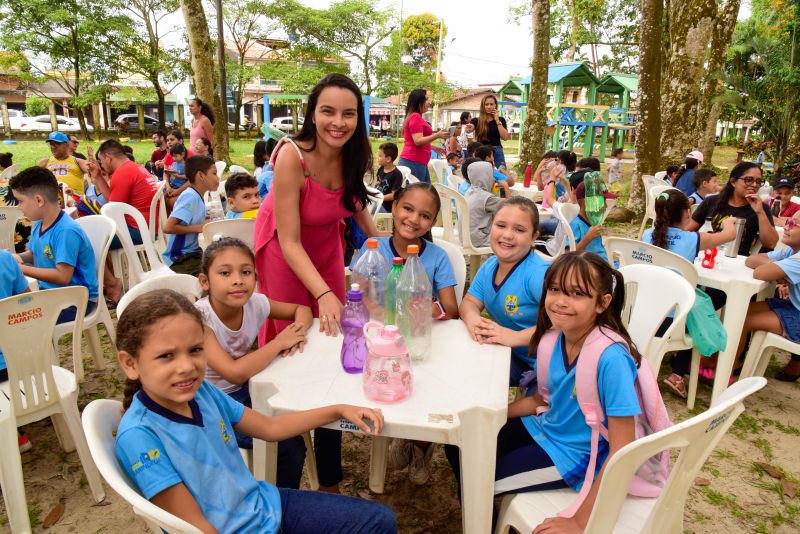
[196,132]
[322,237]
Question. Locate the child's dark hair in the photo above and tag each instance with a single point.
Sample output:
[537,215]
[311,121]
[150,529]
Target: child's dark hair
[35,181]
[484,151]
[207,143]
[6,160]
[525,204]
[589,163]
[389,150]
[616,152]
[177,149]
[568,158]
[135,322]
[197,164]
[128,151]
[472,147]
[670,207]
[702,176]
[177,134]
[593,274]
[673,168]
[465,165]
[688,163]
[727,192]
[217,246]
[263,148]
[240,180]
[550,154]
[453,156]
[423,186]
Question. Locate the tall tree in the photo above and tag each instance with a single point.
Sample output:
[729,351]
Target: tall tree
[534,132]
[648,126]
[66,43]
[203,69]
[690,25]
[353,28]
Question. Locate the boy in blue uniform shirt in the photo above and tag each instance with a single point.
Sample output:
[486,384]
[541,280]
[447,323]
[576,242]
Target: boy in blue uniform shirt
[183,253]
[587,237]
[241,190]
[59,251]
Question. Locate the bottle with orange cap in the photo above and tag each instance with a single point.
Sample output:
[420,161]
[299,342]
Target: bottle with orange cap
[370,273]
[414,301]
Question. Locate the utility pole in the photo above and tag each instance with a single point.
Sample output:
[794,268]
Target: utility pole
[223,81]
[435,119]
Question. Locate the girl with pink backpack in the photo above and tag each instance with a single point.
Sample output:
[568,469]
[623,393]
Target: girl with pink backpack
[588,403]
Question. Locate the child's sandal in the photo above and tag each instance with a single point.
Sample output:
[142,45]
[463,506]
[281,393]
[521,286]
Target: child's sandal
[677,385]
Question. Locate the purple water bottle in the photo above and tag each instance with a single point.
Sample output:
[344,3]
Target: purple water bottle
[354,316]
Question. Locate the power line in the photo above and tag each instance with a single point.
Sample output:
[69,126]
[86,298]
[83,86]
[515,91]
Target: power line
[489,61]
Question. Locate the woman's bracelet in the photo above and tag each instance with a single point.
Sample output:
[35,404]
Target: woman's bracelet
[323,294]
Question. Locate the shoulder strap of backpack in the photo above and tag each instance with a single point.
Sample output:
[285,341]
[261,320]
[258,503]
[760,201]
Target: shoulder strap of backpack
[588,395]
[544,352]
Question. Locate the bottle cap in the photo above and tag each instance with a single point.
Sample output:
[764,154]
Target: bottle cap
[355,287]
[354,295]
[397,261]
[413,249]
[372,243]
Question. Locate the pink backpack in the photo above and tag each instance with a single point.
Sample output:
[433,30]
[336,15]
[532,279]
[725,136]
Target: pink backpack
[651,477]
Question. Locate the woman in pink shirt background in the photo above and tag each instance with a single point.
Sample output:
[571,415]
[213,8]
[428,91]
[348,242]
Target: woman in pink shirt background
[202,124]
[418,136]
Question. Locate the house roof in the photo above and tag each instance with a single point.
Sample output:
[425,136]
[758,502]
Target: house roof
[618,82]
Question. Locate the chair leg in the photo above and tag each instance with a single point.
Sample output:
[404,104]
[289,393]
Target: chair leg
[754,355]
[503,518]
[11,480]
[474,264]
[63,434]
[311,462]
[645,219]
[73,422]
[377,463]
[94,345]
[694,374]
[77,358]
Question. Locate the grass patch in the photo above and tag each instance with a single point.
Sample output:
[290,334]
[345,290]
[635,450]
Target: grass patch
[745,424]
[765,446]
[786,429]
[725,501]
[34,514]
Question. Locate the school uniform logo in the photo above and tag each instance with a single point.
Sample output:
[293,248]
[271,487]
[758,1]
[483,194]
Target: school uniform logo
[48,252]
[512,305]
[147,460]
[224,431]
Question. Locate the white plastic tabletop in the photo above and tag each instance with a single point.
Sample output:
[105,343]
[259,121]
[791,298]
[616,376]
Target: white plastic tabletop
[732,276]
[531,192]
[460,396]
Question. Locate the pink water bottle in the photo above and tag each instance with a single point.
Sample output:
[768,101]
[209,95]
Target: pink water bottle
[387,370]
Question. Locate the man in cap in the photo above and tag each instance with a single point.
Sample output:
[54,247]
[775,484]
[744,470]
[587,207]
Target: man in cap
[782,192]
[67,168]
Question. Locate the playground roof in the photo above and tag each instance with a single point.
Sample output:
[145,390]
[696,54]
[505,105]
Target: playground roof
[618,82]
[514,86]
[576,74]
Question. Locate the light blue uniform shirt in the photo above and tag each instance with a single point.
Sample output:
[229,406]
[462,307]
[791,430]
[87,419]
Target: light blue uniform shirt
[233,214]
[682,242]
[189,209]
[697,198]
[159,449]
[12,282]
[463,187]
[580,228]
[64,242]
[264,178]
[434,259]
[789,262]
[514,302]
[562,431]
[180,168]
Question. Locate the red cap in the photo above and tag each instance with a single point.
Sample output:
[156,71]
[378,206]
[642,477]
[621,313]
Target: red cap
[397,261]
[372,243]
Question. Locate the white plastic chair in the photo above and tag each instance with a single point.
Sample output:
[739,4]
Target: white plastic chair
[441,170]
[660,175]
[651,192]
[100,231]
[457,262]
[565,213]
[760,351]
[651,292]
[37,389]
[456,226]
[137,271]
[9,172]
[100,422]
[220,165]
[185,284]
[374,202]
[158,218]
[408,178]
[243,229]
[238,169]
[9,215]
[614,510]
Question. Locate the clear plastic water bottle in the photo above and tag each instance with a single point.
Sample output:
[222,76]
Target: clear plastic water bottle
[594,203]
[414,303]
[390,308]
[370,273]
[354,317]
[214,210]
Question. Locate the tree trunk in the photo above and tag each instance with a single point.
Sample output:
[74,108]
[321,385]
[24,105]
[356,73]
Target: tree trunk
[573,33]
[534,131]
[162,105]
[710,110]
[648,126]
[203,70]
[691,24]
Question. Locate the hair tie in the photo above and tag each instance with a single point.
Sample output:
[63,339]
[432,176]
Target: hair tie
[613,283]
[663,195]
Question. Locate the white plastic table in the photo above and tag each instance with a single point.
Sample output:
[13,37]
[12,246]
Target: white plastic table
[531,192]
[460,397]
[736,280]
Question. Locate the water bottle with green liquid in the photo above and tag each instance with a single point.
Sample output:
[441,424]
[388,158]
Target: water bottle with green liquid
[390,308]
[594,203]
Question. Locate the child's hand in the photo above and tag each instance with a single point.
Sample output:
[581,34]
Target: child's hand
[783,290]
[491,332]
[557,525]
[471,325]
[356,415]
[594,232]
[303,316]
[19,259]
[289,340]
[729,227]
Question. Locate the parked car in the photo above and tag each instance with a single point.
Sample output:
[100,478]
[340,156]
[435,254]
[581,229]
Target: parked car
[15,117]
[285,124]
[514,128]
[131,123]
[41,123]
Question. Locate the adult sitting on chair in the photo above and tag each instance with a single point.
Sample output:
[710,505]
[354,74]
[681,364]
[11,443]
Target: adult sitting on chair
[67,168]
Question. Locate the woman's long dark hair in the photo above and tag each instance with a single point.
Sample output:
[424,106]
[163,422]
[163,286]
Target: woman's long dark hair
[357,151]
[594,276]
[262,151]
[670,207]
[416,99]
[727,191]
[568,158]
[205,109]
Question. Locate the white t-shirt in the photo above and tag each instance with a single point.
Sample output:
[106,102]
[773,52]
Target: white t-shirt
[237,343]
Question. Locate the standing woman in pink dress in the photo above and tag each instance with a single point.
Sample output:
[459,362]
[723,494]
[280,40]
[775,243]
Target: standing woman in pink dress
[318,181]
[202,123]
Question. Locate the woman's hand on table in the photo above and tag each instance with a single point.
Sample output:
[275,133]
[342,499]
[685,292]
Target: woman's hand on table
[357,414]
[488,331]
[330,312]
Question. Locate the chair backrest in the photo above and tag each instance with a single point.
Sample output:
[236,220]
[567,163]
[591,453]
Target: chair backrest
[9,215]
[460,219]
[237,169]
[185,284]
[220,165]
[243,229]
[100,422]
[408,178]
[453,180]
[651,293]
[116,211]
[9,172]
[374,201]
[458,263]
[158,215]
[660,175]
[631,252]
[565,213]
[27,323]
[100,231]
[448,212]
[441,169]
[695,438]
